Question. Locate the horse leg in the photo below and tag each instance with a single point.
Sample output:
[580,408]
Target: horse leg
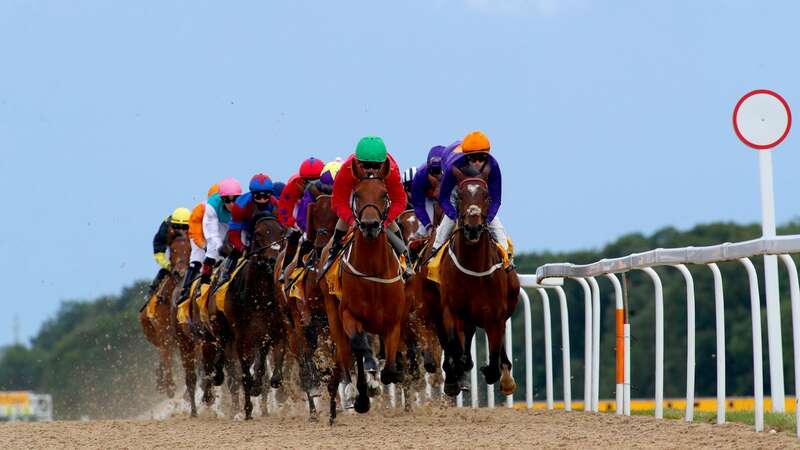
[219,364]
[453,351]
[259,369]
[466,359]
[188,359]
[360,346]
[278,353]
[495,333]
[390,374]
[507,383]
[208,352]
[166,350]
[230,360]
[333,387]
[245,361]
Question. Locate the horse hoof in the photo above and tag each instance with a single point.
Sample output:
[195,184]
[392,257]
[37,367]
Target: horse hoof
[313,418]
[362,404]
[452,389]
[430,367]
[490,375]
[193,414]
[507,384]
[219,378]
[275,383]
[370,365]
[255,390]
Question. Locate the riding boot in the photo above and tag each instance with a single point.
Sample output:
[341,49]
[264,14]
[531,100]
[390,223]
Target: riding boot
[333,253]
[396,239]
[305,247]
[291,247]
[188,279]
[225,271]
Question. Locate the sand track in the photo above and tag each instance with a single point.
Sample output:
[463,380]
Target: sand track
[430,427]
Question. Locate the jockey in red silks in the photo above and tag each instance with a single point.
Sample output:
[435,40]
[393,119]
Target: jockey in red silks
[288,211]
[370,155]
[470,159]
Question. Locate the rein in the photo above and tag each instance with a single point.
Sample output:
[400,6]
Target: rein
[357,213]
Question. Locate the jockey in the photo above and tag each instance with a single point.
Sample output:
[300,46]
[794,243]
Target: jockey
[198,243]
[215,222]
[473,157]
[408,180]
[288,212]
[178,220]
[370,155]
[277,188]
[259,200]
[424,186]
[323,186]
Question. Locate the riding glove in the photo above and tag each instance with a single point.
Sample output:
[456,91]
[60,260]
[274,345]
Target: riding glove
[161,259]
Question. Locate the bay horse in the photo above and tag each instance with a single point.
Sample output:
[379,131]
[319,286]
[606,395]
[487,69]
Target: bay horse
[253,319]
[160,330]
[306,319]
[475,290]
[373,298]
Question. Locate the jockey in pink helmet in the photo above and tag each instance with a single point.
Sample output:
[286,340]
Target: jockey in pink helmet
[216,221]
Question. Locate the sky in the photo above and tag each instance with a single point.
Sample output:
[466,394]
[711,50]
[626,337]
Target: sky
[607,117]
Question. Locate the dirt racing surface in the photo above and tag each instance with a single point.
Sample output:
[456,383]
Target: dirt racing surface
[427,427]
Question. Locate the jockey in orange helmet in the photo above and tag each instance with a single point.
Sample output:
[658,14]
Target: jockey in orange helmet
[470,160]
[371,156]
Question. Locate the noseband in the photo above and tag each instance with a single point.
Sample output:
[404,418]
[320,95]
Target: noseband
[466,184]
[383,214]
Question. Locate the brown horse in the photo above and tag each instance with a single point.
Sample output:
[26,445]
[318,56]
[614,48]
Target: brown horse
[160,330]
[373,298]
[252,318]
[475,290]
[306,313]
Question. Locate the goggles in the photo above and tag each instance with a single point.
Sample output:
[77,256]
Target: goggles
[262,195]
[180,226]
[367,165]
[229,199]
[477,157]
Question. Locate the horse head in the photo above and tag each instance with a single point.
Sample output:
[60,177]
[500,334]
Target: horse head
[370,200]
[321,221]
[473,202]
[267,241]
[179,251]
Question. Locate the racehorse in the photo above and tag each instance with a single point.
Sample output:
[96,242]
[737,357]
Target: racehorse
[373,298]
[253,318]
[306,312]
[160,330]
[475,290]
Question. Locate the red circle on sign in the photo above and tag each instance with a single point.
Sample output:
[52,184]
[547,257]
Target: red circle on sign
[788,119]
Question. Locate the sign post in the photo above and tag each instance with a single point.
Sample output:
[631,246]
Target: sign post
[762,119]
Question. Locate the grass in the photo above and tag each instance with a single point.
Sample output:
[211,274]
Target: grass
[776,421]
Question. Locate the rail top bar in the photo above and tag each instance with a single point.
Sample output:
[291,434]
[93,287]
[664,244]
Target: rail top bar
[667,256]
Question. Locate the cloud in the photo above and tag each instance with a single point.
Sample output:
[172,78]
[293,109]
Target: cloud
[545,8]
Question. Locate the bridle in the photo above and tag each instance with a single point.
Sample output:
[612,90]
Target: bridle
[275,244]
[462,215]
[383,214]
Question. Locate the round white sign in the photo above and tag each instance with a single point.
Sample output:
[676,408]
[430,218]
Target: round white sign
[762,119]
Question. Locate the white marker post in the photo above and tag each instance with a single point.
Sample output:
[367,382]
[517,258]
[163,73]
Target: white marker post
[762,120]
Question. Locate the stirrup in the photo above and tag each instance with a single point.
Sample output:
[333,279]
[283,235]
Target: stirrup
[325,267]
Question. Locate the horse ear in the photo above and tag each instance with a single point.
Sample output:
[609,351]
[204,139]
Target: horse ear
[358,172]
[386,169]
[485,171]
[458,174]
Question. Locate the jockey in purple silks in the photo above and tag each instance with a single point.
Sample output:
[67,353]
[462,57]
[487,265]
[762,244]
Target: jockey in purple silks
[469,158]
[423,188]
